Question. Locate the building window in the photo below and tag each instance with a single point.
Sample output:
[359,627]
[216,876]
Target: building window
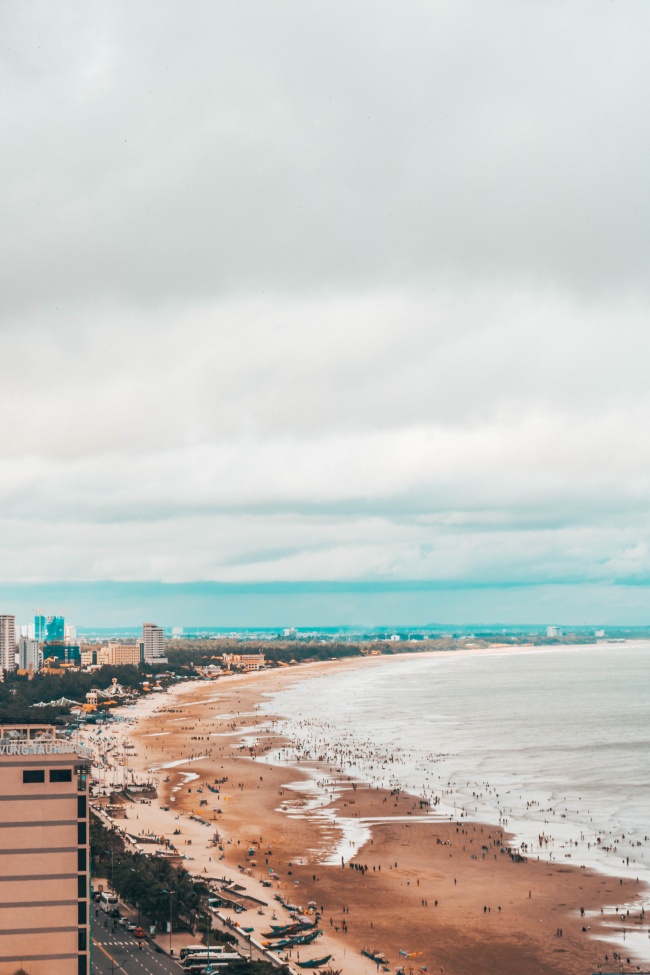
[61,775]
[82,777]
[81,807]
[83,939]
[34,775]
[81,861]
[81,912]
[81,834]
[82,965]
[82,885]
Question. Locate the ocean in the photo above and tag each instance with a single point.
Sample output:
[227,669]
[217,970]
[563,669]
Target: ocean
[552,742]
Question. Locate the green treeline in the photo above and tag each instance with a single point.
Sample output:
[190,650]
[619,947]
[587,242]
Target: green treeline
[144,881]
[18,693]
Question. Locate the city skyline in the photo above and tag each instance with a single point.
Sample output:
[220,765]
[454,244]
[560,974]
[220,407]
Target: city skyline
[339,315]
[116,605]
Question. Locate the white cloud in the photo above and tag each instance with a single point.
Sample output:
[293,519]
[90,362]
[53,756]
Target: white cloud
[305,292]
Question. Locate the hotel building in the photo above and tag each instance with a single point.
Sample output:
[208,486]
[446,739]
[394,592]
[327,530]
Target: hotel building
[153,644]
[243,661]
[7,642]
[44,853]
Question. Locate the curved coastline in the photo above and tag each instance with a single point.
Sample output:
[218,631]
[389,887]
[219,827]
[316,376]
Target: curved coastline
[457,932]
[577,833]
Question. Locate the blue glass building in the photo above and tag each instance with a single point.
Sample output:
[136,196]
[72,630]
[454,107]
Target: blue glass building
[55,629]
[39,628]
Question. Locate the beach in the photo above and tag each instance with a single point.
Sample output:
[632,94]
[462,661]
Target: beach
[387,872]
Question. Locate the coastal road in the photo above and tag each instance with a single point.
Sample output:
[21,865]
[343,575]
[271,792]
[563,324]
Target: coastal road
[118,952]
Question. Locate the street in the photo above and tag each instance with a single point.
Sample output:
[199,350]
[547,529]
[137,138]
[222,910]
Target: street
[117,951]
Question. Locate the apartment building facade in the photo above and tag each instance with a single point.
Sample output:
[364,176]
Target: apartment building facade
[153,644]
[44,853]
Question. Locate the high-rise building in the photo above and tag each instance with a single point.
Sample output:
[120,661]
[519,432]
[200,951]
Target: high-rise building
[70,633]
[40,623]
[69,653]
[30,655]
[55,628]
[153,644]
[7,642]
[45,854]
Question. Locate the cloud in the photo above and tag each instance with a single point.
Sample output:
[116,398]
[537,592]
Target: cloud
[298,292]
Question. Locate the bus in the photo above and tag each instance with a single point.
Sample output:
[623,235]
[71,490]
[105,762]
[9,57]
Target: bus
[190,950]
[216,951]
[107,900]
[199,962]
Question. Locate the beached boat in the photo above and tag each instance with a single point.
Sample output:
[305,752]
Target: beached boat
[277,930]
[282,930]
[314,962]
[300,939]
[377,956]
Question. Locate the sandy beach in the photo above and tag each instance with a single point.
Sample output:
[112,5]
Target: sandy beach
[429,894]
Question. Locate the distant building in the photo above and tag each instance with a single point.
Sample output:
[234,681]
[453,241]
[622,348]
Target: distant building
[119,655]
[7,642]
[70,633]
[30,655]
[243,661]
[177,631]
[554,631]
[55,629]
[40,624]
[153,644]
[89,656]
[45,863]
[69,653]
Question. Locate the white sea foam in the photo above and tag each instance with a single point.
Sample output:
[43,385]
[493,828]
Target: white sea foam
[551,743]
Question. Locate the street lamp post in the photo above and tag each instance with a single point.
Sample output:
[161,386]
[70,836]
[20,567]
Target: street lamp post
[208,919]
[171,893]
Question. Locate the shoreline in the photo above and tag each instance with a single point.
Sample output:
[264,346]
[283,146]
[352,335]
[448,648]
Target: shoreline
[491,905]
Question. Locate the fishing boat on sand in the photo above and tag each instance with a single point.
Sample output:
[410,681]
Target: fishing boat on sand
[300,939]
[377,956]
[314,962]
[284,930]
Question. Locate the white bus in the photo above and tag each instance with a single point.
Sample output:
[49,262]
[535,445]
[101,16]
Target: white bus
[218,952]
[199,962]
[107,900]
[190,950]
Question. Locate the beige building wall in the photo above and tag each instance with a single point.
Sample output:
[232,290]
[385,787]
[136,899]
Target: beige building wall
[44,854]
[245,661]
[119,654]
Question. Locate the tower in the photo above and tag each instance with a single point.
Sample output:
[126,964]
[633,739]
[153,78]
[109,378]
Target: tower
[7,642]
[153,643]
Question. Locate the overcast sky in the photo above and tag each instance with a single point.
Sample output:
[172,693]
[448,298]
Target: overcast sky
[344,291]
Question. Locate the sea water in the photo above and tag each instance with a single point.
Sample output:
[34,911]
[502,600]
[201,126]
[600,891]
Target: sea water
[552,743]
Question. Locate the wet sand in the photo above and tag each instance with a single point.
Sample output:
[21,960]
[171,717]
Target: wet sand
[432,893]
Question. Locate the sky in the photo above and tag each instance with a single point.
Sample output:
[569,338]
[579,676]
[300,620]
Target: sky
[347,298]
